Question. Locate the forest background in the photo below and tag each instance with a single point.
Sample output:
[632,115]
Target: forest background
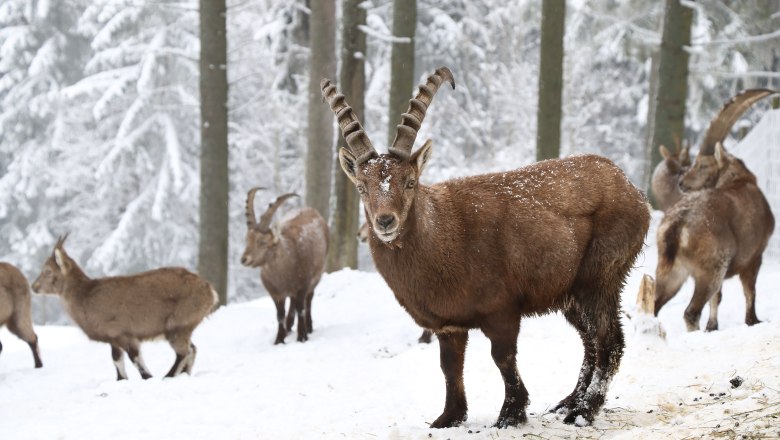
[100,107]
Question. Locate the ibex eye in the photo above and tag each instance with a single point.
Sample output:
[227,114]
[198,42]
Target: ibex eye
[361,189]
[410,183]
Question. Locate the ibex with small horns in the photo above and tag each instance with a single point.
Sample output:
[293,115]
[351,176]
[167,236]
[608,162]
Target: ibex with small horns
[291,258]
[485,251]
[15,311]
[124,311]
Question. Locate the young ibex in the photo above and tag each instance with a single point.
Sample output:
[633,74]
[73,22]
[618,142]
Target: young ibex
[717,230]
[15,308]
[292,259]
[666,176]
[485,251]
[123,311]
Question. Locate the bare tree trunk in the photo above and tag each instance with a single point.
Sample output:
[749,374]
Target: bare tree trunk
[352,81]
[322,64]
[669,120]
[647,169]
[401,62]
[213,247]
[548,119]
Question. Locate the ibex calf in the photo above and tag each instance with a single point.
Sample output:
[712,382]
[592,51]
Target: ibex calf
[15,310]
[123,311]
[292,259]
[718,230]
[485,251]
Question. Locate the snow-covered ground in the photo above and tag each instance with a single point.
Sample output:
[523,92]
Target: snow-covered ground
[363,375]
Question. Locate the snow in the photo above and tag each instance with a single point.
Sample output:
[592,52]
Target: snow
[363,375]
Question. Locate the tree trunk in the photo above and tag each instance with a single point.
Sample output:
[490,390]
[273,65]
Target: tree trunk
[652,92]
[669,120]
[322,64]
[401,63]
[352,81]
[548,119]
[213,247]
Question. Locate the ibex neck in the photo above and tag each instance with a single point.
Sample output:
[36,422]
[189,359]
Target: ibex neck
[76,281]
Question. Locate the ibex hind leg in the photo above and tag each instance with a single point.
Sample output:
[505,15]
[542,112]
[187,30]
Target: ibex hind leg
[23,329]
[185,353]
[579,321]
[748,278]
[309,326]
[610,343]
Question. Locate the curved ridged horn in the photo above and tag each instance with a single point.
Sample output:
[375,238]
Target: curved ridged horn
[251,222]
[406,131]
[728,115]
[353,132]
[265,219]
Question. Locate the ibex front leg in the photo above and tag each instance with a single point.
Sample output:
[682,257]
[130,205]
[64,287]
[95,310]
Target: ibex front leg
[452,351]
[503,339]
[281,332]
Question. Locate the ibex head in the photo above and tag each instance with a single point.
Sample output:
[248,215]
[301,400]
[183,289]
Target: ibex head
[260,237]
[716,171]
[387,183]
[678,161]
[53,274]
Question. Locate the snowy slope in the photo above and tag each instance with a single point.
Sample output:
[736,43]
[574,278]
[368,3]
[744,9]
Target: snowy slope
[362,375]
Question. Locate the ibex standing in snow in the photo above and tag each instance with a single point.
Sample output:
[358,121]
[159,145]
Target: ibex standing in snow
[15,310]
[291,258]
[124,311]
[485,251]
[718,230]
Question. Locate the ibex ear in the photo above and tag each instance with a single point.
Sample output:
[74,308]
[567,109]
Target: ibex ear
[721,156]
[665,153]
[421,156]
[61,261]
[348,164]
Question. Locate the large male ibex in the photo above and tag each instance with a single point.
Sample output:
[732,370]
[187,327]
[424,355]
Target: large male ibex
[485,251]
[719,229]
[15,310]
[123,311]
[668,172]
[292,259]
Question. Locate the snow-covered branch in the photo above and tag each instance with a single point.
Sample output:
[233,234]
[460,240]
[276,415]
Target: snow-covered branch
[383,37]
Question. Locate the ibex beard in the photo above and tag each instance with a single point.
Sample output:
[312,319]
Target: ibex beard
[482,252]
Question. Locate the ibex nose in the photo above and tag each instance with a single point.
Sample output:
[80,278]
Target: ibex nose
[385,221]
[244,260]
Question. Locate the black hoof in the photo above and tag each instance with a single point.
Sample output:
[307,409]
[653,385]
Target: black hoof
[511,421]
[579,417]
[449,420]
